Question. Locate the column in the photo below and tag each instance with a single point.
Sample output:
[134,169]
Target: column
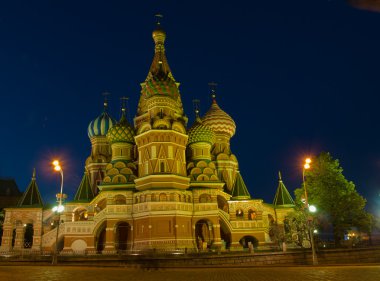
[110,238]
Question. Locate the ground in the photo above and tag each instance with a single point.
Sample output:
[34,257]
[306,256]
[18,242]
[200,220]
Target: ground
[304,273]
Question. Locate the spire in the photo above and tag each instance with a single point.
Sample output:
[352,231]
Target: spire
[105,103]
[159,68]
[213,86]
[282,197]
[31,196]
[196,110]
[240,191]
[123,118]
[84,192]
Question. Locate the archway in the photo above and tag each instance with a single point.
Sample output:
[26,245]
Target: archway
[225,235]
[122,230]
[28,236]
[80,214]
[247,240]
[205,198]
[203,234]
[101,239]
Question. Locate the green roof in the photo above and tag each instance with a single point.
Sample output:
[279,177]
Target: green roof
[84,192]
[240,191]
[282,197]
[31,196]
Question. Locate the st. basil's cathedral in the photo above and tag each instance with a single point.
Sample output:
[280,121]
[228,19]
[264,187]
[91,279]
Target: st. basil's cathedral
[153,185]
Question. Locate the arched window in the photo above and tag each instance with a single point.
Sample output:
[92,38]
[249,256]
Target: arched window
[205,198]
[251,214]
[239,214]
[119,200]
[163,197]
[162,167]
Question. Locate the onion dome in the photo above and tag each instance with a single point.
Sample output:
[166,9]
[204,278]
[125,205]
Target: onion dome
[122,131]
[200,133]
[159,35]
[219,121]
[101,125]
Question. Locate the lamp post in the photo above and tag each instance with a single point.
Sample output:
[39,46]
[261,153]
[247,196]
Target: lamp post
[58,209]
[310,209]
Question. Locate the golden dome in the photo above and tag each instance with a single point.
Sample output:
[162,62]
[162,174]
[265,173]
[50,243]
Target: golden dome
[159,35]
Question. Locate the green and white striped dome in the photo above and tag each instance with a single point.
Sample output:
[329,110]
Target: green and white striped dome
[100,125]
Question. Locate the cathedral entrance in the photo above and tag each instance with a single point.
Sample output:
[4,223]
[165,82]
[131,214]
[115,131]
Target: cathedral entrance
[101,239]
[249,240]
[225,235]
[28,236]
[203,234]
[122,230]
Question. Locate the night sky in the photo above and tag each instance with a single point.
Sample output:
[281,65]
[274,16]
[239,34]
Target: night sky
[298,78]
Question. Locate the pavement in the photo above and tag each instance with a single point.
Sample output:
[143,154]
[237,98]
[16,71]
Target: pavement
[289,273]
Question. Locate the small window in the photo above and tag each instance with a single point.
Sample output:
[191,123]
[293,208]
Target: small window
[239,214]
[162,167]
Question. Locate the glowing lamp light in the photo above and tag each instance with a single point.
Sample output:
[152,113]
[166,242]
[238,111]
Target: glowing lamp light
[308,161]
[315,231]
[58,209]
[312,209]
[55,163]
[57,168]
[306,166]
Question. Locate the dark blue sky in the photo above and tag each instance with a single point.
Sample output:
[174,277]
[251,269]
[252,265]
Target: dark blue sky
[298,77]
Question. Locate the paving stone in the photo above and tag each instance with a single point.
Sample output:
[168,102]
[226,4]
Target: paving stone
[304,273]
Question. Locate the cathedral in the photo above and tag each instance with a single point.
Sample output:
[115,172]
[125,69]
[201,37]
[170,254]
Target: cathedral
[157,184]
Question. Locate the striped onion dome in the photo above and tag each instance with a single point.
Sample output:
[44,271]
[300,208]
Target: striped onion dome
[100,125]
[121,132]
[200,133]
[219,121]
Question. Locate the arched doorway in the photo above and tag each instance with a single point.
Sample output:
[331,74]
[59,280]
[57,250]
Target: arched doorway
[203,234]
[247,240]
[101,239]
[225,235]
[121,236]
[28,236]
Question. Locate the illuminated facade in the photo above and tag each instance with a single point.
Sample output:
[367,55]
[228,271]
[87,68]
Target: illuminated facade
[154,184]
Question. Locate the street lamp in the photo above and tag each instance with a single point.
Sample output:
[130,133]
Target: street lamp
[310,209]
[58,209]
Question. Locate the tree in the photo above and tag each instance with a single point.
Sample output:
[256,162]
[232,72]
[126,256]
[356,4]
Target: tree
[339,205]
[298,232]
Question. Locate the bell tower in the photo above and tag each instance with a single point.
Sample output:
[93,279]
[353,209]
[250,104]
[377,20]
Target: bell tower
[160,126]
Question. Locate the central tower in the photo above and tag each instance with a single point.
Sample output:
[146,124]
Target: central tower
[160,125]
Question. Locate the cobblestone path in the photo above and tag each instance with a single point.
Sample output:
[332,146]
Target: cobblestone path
[71,273]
